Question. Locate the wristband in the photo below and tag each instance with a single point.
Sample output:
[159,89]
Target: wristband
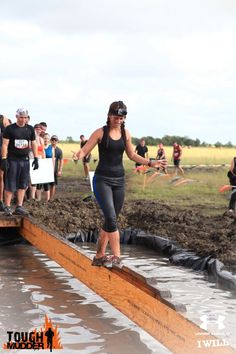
[149,163]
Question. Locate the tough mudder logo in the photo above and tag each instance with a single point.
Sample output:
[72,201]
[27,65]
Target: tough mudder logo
[46,338]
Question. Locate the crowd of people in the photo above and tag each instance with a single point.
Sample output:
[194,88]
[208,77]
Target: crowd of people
[142,150]
[20,145]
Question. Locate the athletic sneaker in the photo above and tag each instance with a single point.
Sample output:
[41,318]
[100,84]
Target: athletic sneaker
[98,262]
[2,206]
[230,213]
[7,211]
[21,211]
[112,261]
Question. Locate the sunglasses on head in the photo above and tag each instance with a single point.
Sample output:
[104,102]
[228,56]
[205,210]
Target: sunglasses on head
[119,112]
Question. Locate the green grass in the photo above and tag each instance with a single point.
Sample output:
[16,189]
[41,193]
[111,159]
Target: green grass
[193,156]
[202,193]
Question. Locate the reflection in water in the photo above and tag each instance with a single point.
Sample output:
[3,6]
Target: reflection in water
[203,299]
[31,286]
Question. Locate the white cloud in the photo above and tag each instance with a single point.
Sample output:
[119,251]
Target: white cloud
[169,61]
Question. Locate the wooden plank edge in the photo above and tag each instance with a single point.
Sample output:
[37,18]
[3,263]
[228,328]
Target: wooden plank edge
[10,221]
[165,324]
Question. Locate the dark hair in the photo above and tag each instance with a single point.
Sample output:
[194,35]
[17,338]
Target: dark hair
[117,108]
[81,136]
[43,124]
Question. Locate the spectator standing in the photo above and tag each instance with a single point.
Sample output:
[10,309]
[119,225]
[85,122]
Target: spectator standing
[4,122]
[17,139]
[50,154]
[161,155]
[43,127]
[177,156]
[58,165]
[141,150]
[36,189]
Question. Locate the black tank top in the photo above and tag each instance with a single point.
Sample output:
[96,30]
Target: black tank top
[110,156]
[160,153]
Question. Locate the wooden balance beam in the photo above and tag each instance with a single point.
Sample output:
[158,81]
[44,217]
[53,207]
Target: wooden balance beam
[136,296]
[10,221]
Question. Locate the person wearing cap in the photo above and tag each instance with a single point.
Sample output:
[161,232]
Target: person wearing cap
[58,165]
[108,182]
[17,140]
[4,122]
[176,156]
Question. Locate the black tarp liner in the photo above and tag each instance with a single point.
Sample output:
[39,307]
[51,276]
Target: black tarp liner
[9,236]
[177,255]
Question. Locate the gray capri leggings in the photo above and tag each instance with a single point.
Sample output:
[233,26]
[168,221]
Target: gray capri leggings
[110,193]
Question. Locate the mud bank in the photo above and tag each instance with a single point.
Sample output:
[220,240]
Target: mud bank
[205,235]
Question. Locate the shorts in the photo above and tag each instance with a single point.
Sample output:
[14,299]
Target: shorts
[177,162]
[87,159]
[138,164]
[55,180]
[17,175]
[38,186]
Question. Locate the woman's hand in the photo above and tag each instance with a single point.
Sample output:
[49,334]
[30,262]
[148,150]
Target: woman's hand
[74,157]
[158,163]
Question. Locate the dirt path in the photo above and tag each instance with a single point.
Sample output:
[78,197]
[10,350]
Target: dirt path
[215,235]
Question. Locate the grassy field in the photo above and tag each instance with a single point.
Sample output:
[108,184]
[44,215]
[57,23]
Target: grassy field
[192,156]
[200,191]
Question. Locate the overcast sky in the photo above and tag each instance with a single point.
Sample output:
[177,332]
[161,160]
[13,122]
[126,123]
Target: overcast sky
[173,62]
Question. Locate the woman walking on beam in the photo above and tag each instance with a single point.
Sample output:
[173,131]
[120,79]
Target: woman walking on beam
[108,182]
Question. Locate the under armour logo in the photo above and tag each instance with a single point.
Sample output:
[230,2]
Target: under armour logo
[212,319]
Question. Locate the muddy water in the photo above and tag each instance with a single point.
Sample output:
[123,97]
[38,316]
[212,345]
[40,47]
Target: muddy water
[207,305]
[32,286]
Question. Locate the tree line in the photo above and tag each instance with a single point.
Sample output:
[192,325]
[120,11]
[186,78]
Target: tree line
[167,140]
